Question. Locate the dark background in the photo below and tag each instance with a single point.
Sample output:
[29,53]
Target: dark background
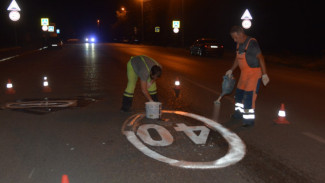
[279,26]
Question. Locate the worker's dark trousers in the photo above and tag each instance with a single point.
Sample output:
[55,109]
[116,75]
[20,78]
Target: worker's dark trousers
[127,102]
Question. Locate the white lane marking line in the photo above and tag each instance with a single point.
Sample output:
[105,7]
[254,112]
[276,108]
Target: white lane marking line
[315,137]
[202,86]
[31,173]
[8,58]
[206,88]
[236,151]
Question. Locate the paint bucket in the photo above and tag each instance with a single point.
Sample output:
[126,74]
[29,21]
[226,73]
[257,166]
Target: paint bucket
[153,110]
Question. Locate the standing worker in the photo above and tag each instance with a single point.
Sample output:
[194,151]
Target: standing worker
[250,60]
[148,70]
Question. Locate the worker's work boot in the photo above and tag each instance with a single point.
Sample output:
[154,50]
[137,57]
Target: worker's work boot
[237,115]
[126,104]
[248,123]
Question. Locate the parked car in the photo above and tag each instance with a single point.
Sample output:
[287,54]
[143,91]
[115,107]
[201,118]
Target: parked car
[54,42]
[204,46]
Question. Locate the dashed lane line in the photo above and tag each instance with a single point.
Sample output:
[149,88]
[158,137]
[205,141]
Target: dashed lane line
[207,89]
[315,137]
[8,58]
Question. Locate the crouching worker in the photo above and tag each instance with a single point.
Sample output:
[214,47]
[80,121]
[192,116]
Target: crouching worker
[148,70]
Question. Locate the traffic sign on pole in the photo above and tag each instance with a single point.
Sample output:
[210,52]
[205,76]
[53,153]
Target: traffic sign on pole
[157,29]
[14,15]
[13,6]
[176,24]
[45,21]
[247,15]
[51,29]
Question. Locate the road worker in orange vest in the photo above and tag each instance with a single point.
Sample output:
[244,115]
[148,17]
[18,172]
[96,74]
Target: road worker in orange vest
[251,62]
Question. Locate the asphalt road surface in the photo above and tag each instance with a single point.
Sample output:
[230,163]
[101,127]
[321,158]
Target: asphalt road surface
[91,141]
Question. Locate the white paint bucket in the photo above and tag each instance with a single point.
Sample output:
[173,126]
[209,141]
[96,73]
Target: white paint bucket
[153,110]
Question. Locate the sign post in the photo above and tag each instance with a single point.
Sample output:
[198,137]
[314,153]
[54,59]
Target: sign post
[176,25]
[14,15]
[246,20]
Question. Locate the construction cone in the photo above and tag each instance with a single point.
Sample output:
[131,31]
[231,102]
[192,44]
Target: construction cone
[65,179]
[177,87]
[46,87]
[10,89]
[282,116]
[177,84]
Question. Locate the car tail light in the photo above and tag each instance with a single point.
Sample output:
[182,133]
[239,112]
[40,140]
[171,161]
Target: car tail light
[205,46]
[221,46]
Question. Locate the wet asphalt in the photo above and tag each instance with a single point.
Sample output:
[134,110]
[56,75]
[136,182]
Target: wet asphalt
[87,141]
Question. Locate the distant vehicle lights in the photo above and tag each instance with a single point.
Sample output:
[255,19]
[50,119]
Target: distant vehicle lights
[90,40]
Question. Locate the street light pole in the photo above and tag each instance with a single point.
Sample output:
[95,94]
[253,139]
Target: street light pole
[142,23]
[183,23]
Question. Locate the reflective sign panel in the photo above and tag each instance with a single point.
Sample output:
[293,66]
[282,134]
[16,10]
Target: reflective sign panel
[14,15]
[247,15]
[44,21]
[51,29]
[246,24]
[176,24]
[13,6]
[157,29]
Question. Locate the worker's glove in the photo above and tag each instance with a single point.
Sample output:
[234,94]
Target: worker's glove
[265,79]
[229,73]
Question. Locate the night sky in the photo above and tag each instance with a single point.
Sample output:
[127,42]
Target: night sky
[277,25]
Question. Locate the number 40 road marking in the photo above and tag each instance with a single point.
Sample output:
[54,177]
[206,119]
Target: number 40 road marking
[236,151]
[167,139]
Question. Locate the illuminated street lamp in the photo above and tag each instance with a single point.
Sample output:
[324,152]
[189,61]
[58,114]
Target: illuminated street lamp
[142,24]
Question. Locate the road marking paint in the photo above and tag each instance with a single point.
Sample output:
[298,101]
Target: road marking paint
[315,137]
[236,151]
[42,103]
[8,58]
[202,86]
[189,131]
[31,173]
[166,138]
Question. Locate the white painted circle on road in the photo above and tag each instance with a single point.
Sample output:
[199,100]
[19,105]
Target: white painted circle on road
[236,151]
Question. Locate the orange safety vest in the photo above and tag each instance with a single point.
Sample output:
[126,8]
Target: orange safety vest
[249,76]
